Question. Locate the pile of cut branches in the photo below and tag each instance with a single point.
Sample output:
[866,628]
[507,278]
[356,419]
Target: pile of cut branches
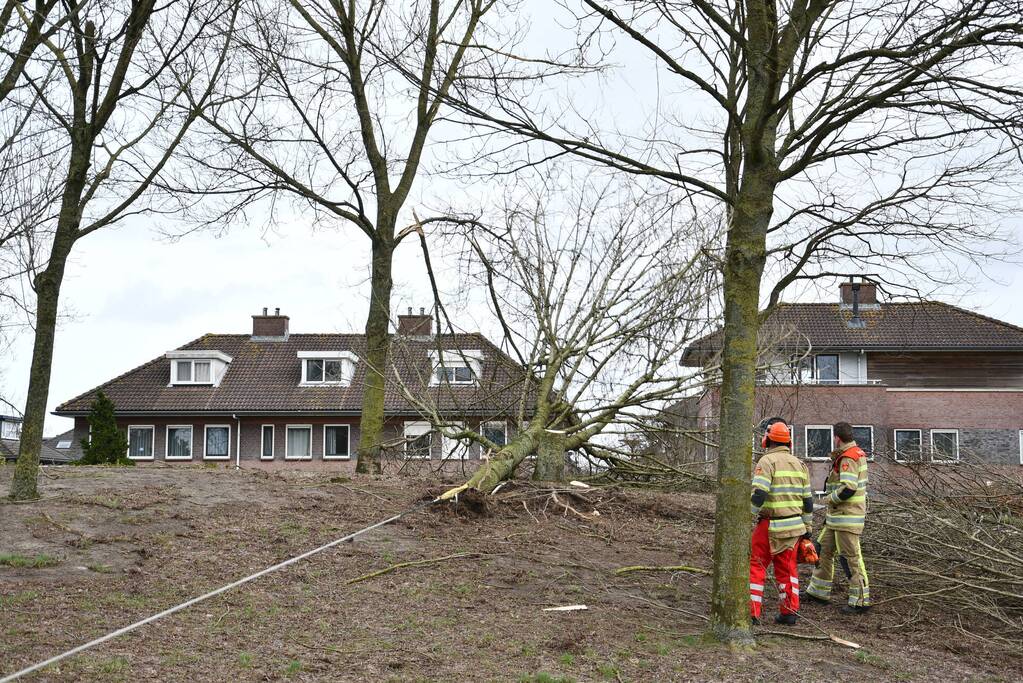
[945,545]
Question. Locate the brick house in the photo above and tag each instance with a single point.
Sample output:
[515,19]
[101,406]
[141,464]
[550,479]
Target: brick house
[276,399]
[920,381]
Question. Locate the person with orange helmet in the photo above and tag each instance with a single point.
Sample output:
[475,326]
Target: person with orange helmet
[783,504]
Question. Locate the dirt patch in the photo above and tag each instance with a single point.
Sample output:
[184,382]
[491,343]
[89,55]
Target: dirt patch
[467,602]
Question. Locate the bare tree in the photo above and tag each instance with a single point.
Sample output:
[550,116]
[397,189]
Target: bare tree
[597,288]
[322,112]
[111,119]
[875,138]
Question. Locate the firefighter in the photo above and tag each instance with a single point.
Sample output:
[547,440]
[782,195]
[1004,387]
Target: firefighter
[847,506]
[783,504]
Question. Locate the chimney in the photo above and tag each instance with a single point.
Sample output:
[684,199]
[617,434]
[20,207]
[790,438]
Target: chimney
[410,325]
[867,293]
[270,327]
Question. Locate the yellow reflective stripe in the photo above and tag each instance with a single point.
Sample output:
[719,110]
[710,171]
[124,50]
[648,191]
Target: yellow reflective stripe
[801,476]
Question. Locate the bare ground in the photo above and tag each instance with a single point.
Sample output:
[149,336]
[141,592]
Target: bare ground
[131,542]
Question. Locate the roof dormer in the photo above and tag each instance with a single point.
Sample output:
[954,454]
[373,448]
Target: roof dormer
[456,366]
[327,368]
[197,367]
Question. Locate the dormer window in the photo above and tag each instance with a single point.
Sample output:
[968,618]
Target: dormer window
[455,367]
[197,367]
[192,372]
[327,367]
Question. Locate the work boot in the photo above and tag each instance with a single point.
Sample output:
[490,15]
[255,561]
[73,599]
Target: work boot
[755,621]
[854,609]
[813,598]
[785,619]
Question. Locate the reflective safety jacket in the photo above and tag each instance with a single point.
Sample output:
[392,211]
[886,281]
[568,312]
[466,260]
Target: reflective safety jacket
[846,489]
[788,502]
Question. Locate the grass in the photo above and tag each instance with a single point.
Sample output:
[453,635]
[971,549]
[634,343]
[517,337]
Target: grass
[294,668]
[608,671]
[36,562]
[864,657]
[566,659]
[246,659]
[544,677]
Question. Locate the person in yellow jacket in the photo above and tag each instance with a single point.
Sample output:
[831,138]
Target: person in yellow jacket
[847,508]
[783,504]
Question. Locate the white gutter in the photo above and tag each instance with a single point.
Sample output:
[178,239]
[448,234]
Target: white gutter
[238,443]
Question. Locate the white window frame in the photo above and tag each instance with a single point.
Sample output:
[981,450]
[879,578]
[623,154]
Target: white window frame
[273,438]
[944,431]
[348,440]
[347,367]
[152,454]
[895,442]
[456,358]
[873,445]
[191,364]
[417,429]
[806,436]
[454,370]
[459,450]
[191,443]
[205,443]
[287,449]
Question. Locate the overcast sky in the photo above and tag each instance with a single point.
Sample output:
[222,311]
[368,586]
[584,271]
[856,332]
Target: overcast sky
[131,295]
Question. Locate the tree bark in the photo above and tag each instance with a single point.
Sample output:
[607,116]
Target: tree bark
[550,458]
[371,424]
[744,265]
[24,486]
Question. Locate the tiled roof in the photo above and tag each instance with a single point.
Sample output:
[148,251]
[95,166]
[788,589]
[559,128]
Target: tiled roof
[264,377]
[918,326]
[48,456]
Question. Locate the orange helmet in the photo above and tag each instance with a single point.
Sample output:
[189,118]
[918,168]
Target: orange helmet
[778,433]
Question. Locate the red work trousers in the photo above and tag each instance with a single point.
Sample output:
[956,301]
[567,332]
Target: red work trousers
[786,573]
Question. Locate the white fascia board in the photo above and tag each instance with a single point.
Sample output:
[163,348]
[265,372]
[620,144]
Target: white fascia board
[456,355]
[198,355]
[328,355]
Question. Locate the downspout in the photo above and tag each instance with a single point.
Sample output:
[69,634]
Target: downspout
[238,443]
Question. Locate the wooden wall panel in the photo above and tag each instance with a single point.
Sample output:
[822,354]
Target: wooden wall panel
[953,369]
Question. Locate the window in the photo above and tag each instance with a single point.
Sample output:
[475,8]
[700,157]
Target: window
[266,448]
[193,372]
[218,442]
[299,444]
[327,367]
[335,442]
[819,442]
[863,435]
[140,443]
[945,445]
[63,445]
[179,442]
[454,449]
[907,444]
[827,369]
[496,432]
[457,374]
[418,439]
[10,430]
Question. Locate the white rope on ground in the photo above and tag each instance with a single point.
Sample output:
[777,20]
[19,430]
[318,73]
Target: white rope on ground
[177,608]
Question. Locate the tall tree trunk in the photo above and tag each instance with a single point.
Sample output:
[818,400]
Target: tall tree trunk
[550,458]
[47,287]
[377,342]
[743,268]
[26,471]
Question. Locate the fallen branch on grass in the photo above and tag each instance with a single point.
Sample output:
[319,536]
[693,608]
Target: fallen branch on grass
[669,568]
[414,563]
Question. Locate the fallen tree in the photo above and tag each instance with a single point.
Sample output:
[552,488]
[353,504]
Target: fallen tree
[945,544]
[597,289]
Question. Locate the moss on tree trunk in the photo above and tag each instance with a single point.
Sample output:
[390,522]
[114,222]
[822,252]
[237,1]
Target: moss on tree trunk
[550,458]
[371,424]
[744,266]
